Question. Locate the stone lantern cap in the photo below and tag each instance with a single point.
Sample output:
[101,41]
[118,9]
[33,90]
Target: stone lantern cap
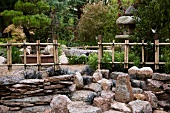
[125,20]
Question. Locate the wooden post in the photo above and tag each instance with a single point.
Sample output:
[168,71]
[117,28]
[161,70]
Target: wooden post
[126,54]
[55,53]
[25,58]
[113,57]
[156,54]
[9,56]
[143,53]
[38,55]
[100,52]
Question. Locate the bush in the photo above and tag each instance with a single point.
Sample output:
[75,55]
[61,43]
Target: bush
[77,59]
[16,55]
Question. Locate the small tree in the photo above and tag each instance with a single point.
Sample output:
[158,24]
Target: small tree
[31,15]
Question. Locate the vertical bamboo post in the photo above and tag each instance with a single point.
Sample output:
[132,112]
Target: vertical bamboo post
[113,57]
[55,53]
[156,54]
[126,54]
[143,53]
[25,60]
[100,52]
[38,55]
[9,56]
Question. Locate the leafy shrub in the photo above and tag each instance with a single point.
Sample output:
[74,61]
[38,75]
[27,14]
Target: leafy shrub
[16,55]
[93,61]
[77,59]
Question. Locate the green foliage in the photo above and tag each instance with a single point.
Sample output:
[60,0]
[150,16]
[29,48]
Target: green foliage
[93,61]
[31,15]
[165,57]
[3,52]
[16,55]
[82,59]
[98,19]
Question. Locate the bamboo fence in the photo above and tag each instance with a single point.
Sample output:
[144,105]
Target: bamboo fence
[38,55]
[126,53]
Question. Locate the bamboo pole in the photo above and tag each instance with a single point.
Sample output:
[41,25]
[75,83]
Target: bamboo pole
[113,57]
[25,58]
[100,52]
[143,54]
[55,53]
[9,55]
[126,55]
[38,55]
[156,54]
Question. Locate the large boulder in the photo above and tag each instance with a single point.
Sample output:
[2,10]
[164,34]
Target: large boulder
[144,73]
[120,107]
[105,84]
[139,106]
[152,98]
[59,104]
[97,76]
[123,90]
[133,71]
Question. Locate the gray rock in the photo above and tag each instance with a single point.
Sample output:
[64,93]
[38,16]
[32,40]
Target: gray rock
[137,90]
[114,75]
[36,109]
[63,59]
[152,99]
[97,76]
[104,72]
[107,94]
[164,103]
[32,81]
[11,79]
[125,20]
[82,95]
[2,60]
[59,104]
[103,103]
[133,72]
[144,73]
[78,80]
[155,83]
[105,84]
[122,36]
[113,111]
[166,88]
[140,106]
[123,90]
[120,107]
[3,109]
[80,107]
[161,76]
[159,111]
[138,83]
[93,87]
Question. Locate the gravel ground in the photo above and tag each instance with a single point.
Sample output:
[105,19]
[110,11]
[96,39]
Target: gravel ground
[4,70]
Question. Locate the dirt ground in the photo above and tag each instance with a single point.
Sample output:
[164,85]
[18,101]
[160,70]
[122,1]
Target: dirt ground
[4,69]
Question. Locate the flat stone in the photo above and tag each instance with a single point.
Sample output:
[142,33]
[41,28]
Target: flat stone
[32,81]
[107,94]
[93,87]
[36,109]
[140,106]
[164,103]
[120,107]
[57,86]
[159,111]
[11,79]
[113,111]
[3,109]
[33,92]
[114,75]
[144,73]
[81,95]
[59,78]
[161,76]
[21,86]
[156,83]
[79,107]
[102,103]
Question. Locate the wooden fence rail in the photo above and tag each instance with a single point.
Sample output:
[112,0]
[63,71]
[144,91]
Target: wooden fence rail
[126,53]
[38,55]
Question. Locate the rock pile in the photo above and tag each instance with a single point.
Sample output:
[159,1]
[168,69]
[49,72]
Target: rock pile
[138,91]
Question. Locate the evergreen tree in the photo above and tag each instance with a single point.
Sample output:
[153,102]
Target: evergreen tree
[32,15]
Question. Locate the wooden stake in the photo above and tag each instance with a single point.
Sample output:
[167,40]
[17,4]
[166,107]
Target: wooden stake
[143,54]
[100,52]
[9,56]
[113,57]
[38,55]
[156,54]
[25,58]
[55,53]
[126,54]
